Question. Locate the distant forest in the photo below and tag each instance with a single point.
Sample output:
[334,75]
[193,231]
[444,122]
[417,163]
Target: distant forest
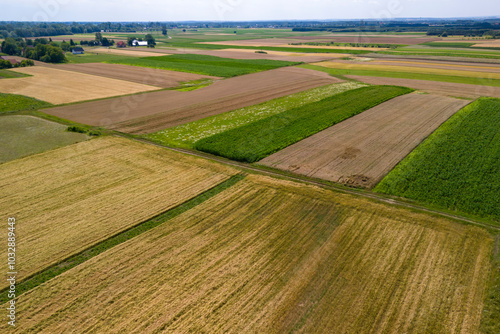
[437,27]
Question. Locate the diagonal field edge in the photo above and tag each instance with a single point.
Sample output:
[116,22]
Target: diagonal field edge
[43,276]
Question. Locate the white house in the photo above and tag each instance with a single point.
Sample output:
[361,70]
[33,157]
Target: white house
[139,43]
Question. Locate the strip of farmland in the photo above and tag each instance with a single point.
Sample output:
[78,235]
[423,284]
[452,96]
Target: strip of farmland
[363,149]
[269,256]
[145,76]
[69,199]
[255,141]
[434,87]
[58,86]
[457,167]
[151,112]
[186,135]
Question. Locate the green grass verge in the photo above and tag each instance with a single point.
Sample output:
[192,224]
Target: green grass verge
[406,75]
[458,166]
[208,65]
[186,135]
[6,74]
[13,102]
[73,261]
[194,85]
[255,141]
[449,45]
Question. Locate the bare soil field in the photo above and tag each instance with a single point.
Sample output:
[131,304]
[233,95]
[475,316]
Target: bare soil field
[133,52]
[151,112]
[434,87]
[21,136]
[142,75]
[268,256]
[70,198]
[361,150]
[58,86]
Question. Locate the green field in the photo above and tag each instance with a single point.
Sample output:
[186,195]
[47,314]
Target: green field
[423,50]
[95,58]
[255,141]
[21,136]
[6,74]
[457,167]
[208,65]
[406,75]
[12,102]
[187,135]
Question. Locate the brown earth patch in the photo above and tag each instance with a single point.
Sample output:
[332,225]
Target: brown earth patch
[146,113]
[142,75]
[435,87]
[364,148]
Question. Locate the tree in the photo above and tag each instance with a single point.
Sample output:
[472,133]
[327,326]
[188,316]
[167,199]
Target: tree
[98,37]
[71,42]
[151,40]
[105,42]
[130,39]
[164,31]
[9,46]
[65,46]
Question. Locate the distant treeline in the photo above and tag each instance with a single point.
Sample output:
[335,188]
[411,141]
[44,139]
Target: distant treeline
[469,28]
[33,29]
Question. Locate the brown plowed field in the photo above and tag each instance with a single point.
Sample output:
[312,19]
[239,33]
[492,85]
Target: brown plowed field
[142,75]
[363,149]
[268,256]
[442,88]
[147,113]
[70,198]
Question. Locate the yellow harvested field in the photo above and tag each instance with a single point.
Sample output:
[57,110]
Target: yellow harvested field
[269,256]
[59,86]
[133,52]
[68,199]
[408,69]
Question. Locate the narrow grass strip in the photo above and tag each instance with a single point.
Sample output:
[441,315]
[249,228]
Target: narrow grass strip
[71,262]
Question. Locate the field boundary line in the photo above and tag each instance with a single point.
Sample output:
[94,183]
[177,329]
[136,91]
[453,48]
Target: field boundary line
[326,185]
[72,261]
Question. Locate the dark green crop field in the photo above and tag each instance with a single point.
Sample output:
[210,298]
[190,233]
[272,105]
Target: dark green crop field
[13,102]
[208,65]
[457,167]
[257,140]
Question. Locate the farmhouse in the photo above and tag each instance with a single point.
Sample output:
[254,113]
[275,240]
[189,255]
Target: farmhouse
[78,50]
[139,43]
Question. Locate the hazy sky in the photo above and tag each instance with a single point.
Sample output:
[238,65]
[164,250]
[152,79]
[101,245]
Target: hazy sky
[178,10]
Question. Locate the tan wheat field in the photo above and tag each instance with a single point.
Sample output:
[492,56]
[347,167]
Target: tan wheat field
[268,256]
[68,199]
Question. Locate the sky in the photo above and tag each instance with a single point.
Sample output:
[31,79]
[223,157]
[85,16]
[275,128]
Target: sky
[240,10]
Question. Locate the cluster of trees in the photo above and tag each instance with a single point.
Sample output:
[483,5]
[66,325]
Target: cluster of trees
[39,49]
[24,63]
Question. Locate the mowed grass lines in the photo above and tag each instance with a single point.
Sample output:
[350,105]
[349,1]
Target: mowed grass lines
[12,102]
[457,167]
[208,65]
[21,136]
[187,135]
[257,140]
[68,199]
[268,256]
